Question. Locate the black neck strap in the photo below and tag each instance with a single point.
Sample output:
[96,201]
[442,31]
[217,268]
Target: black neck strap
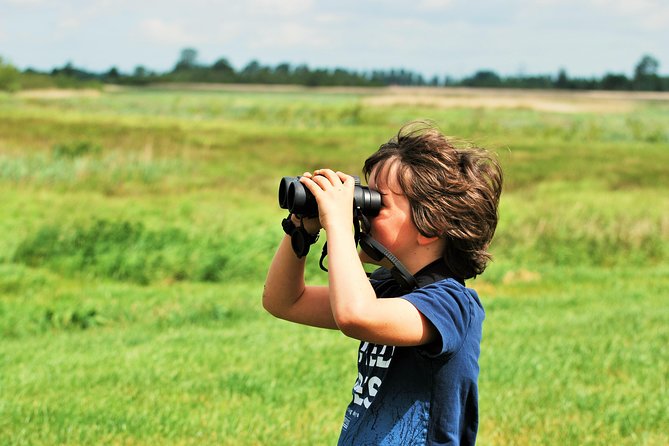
[378,252]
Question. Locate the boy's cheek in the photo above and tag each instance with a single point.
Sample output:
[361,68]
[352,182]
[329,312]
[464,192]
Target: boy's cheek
[364,258]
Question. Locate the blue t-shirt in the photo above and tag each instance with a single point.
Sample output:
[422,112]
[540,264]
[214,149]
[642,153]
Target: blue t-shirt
[426,394]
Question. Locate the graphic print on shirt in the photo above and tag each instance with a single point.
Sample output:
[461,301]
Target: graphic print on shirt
[373,363]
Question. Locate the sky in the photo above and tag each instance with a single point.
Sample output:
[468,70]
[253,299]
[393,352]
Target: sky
[452,38]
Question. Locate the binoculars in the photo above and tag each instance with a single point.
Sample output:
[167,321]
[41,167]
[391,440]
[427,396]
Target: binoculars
[299,200]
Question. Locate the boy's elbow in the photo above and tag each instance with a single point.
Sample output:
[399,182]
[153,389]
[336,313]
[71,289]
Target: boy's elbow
[266,304]
[275,304]
[351,323]
[269,304]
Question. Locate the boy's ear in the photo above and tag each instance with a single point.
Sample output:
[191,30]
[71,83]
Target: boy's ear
[423,240]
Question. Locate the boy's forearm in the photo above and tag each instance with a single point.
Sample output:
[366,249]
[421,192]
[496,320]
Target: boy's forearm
[351,294]
[285,279]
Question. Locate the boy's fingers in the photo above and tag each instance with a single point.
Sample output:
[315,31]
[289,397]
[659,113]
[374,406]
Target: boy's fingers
[330,175]
[310,184]
[344,177]
[322,181]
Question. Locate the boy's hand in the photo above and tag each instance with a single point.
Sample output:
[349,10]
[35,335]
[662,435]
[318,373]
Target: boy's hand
[311,224]
[334,194]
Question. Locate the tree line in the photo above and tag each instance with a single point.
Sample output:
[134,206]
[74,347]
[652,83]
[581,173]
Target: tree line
[645,77]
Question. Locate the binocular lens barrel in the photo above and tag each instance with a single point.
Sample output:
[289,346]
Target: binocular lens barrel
[295,197]
[367,200]
[301,201]
[283,190]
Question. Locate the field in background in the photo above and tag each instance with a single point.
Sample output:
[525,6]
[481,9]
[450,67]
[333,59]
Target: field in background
[137,226]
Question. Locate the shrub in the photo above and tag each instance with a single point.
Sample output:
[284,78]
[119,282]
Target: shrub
[76,149]
[9,77]
[124,251]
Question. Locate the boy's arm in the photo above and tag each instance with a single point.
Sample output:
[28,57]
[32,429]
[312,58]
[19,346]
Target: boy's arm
[286,296]
[358,313]
[356,310]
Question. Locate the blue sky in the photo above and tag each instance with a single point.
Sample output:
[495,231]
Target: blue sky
[432,37]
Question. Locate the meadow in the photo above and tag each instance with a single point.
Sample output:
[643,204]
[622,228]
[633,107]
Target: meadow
[137,226]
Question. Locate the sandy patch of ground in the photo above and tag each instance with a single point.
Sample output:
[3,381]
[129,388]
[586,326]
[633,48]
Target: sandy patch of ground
[541,100]
[59,93]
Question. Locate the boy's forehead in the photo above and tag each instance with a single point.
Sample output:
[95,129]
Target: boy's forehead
[385,176]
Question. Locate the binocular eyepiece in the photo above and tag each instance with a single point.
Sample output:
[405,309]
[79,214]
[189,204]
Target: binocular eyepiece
[299,200]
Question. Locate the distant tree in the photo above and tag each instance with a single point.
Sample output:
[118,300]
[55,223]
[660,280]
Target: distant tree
[483,78]
[584,84]
[282,69]
[73,73]
[223,66]
[418,79]
[646,74]
[615,82]
[140,71]
[252,68]
[282,74]
[647,66]
[220,71]
[316,77]
[253,72]
[538,82]
[187,59]
[449,81]
[9,76]
[112,75]
[562,80]
[68,69]
[301,74]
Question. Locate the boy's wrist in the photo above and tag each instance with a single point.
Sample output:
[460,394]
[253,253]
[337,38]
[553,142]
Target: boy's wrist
[288,225]
[343,222]
[311,225]
[300,239]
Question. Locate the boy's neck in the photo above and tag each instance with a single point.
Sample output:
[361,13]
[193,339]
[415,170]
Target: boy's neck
[423,255]
[416,264]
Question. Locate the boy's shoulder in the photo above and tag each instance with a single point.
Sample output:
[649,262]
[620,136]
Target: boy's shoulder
[433,277]
[453,309]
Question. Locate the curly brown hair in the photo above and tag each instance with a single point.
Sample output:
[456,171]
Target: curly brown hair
[453,192]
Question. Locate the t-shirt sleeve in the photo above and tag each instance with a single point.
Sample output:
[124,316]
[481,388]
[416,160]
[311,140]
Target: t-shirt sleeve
[447,306]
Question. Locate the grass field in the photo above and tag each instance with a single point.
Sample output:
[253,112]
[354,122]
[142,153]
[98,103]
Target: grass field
[137,226]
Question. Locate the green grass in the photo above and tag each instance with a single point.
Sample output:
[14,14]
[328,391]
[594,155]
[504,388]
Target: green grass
[138,226]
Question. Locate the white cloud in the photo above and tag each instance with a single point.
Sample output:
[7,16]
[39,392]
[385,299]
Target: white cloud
[69,23]
[280,7]
[160,31]
[329,18]
[435,5]
[25,2]
[290,35]
[650,14]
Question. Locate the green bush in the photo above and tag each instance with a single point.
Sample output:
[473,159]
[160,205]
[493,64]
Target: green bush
[124,251]
[9,77]
[77,319]
[76,149]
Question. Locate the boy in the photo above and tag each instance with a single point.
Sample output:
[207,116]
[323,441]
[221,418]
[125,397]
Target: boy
[418,356]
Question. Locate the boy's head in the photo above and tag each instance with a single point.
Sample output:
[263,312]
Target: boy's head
[453,192]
